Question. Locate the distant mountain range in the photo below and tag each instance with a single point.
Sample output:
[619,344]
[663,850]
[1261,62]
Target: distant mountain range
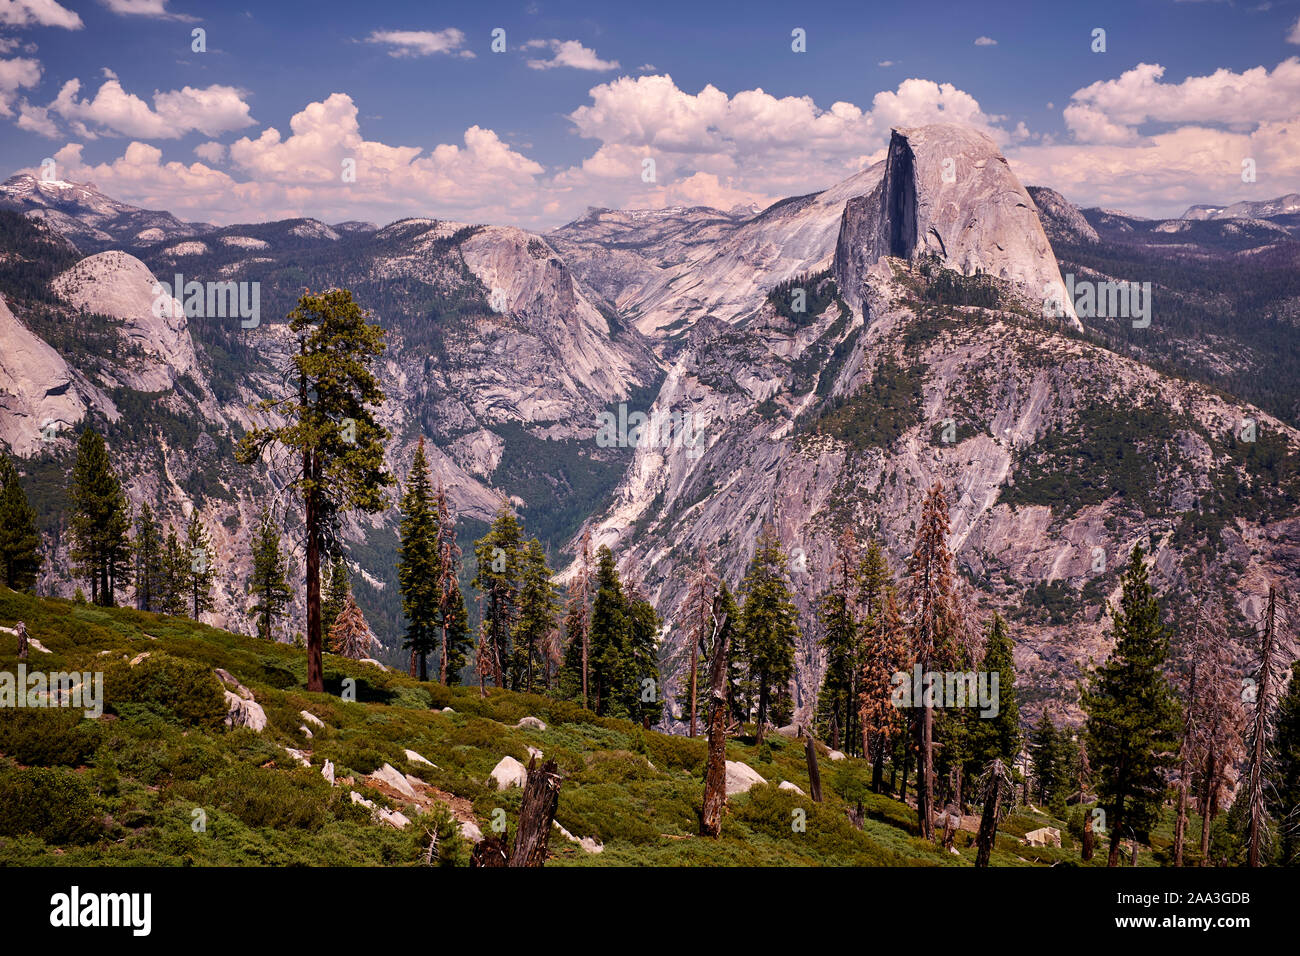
[837,352]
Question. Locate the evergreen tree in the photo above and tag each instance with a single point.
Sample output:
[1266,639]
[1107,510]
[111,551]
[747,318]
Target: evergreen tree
[1286,770]
[1133,718]
[497,581]
[609,638]
[997,736]
[330,428]
[175,574]
[20,544]
[642,698]
[267,584]
[200,574]
[933,632]
[453,619]
[837,610]
[538,606]
[575,672]
[149,557]
[335,593]
[99,524]
[417,563]
[770,626]
[1050,762]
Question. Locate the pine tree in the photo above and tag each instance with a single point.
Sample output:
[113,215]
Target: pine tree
[335,593]
[200,575]
[417,563]
[997,736]
[538,606]
[837,611]
[99,522]
[453,619]
[149,558]
[770,626]
[175,574]
[267,584]
[1286,770]
[1133,718]
[609,638]
[351,635]
[1049,758]
[881,653]
[20,544]
[643,701]
[575,673]
[497,580]
[933,631]
[330,428]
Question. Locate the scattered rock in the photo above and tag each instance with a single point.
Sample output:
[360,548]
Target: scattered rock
[394,818]
[327,771]
[789,730]
[244,713]
[307,733]
[740,777]
[532,722]
[135,660]
[372,661]
[412,756]
[836,755]
[590,844]
[508,773]
[534,752]
[227,678]
[448,710]
[312,719]
[470,831]
[299,755]
[358,798]
[787,785]
[387,774]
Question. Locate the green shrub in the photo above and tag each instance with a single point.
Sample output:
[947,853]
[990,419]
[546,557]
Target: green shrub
[278,798]
[48,738]
[51,804]
[179,691]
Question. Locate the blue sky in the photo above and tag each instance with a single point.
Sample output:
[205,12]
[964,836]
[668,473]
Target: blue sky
[437,124]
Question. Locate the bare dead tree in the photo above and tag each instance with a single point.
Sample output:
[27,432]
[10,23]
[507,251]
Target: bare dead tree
[698,612]
[993,787]
[715,773]
[1261,728]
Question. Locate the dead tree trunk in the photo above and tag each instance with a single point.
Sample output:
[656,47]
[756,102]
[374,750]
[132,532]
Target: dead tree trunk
[536,814]
[1259,740]
[814,775]
[715,773]
[490,851]
[21,629]
[989,819]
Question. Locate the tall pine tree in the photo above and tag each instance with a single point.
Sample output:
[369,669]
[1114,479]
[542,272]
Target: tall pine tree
[20,544]
[538,606]
[99,525]
[1133,718]
[267,584]
[201,574]
[330,429]
[149,559]
[417,563]
[769,625]
[497,555]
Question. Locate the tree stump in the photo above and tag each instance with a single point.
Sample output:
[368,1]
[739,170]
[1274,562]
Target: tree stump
[536,816]
[22,640]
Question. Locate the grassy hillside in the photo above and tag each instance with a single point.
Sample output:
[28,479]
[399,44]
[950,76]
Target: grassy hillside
[125,789]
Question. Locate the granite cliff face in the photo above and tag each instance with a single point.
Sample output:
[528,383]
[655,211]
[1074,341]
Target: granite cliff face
[947,192]
[36,388]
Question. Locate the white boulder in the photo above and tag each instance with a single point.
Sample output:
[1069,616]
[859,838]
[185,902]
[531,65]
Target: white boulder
[741,777]
[508,773]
